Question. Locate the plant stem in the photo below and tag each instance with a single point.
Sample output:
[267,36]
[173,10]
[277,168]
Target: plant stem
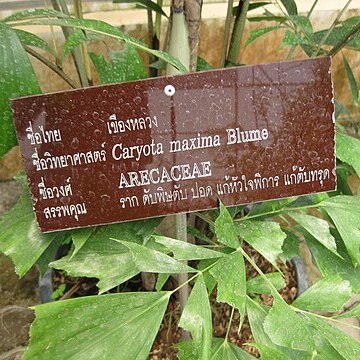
[152,58]
[51,66]
[225,44]
[234,55]
[158,21]
[346,39]
[312,8]
[230,321]
[60,5]
[331,28]
[84,50]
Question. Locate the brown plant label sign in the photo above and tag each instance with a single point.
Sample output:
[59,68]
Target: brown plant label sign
[178,144]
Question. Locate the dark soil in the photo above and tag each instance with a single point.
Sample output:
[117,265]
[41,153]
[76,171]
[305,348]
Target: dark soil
[169,333]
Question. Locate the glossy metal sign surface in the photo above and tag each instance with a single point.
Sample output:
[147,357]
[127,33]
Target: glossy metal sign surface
[178,144]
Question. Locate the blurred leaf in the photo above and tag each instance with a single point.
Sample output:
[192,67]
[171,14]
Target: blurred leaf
[347,150]
[347,347]
[294,39]
[303,23]
[76,38]
[279,19]
[20,237]
[103,28]
[221,350]
[224,350]
[339,33]
[345,213]
[252,6]
[353,312]
[17,78]
[272,207]
[162,278]
[225,228]
[210,282]
[329,264]
[257,315]
[196,318]
[327,294]
[264,236]
[255,34]
[270,353]
[148,4]
[203,65]
[230,274]
[126,65]
[198,234]
[290,6]
[186,251]
[80,236]
[93,326]
[290,248]
[259,285]
[150,260]
[352,82]
[105,259]
[317,227]
[35,13]
[297,336]
[30,39]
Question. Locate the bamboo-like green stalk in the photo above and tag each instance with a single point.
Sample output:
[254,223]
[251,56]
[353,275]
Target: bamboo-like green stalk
[226,33]
[179,47]
[83,46]
[152,58]
[234,54]
[60,5]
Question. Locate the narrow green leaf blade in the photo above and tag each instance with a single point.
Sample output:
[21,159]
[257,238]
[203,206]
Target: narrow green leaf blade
[17,78]
[347,150]
[258,285]
[98,325]
[35,13]
[230,274]
[344,344]
[76,38]
[103,28]
[353,312]
[264,236]
[328,294]
[186,251]
[30,39]
[255,34]
[318,228]
[345,213]
[105,259]
[297,336]
[149,260]
[225,228]
[330,265]
[80,236]
[20,237]
[196,318]
[290,6]
[352,81]
[148,4]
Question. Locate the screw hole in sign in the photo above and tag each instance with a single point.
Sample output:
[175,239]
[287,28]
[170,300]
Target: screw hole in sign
[169,90]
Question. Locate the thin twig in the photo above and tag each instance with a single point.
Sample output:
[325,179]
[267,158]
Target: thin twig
[52,66]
